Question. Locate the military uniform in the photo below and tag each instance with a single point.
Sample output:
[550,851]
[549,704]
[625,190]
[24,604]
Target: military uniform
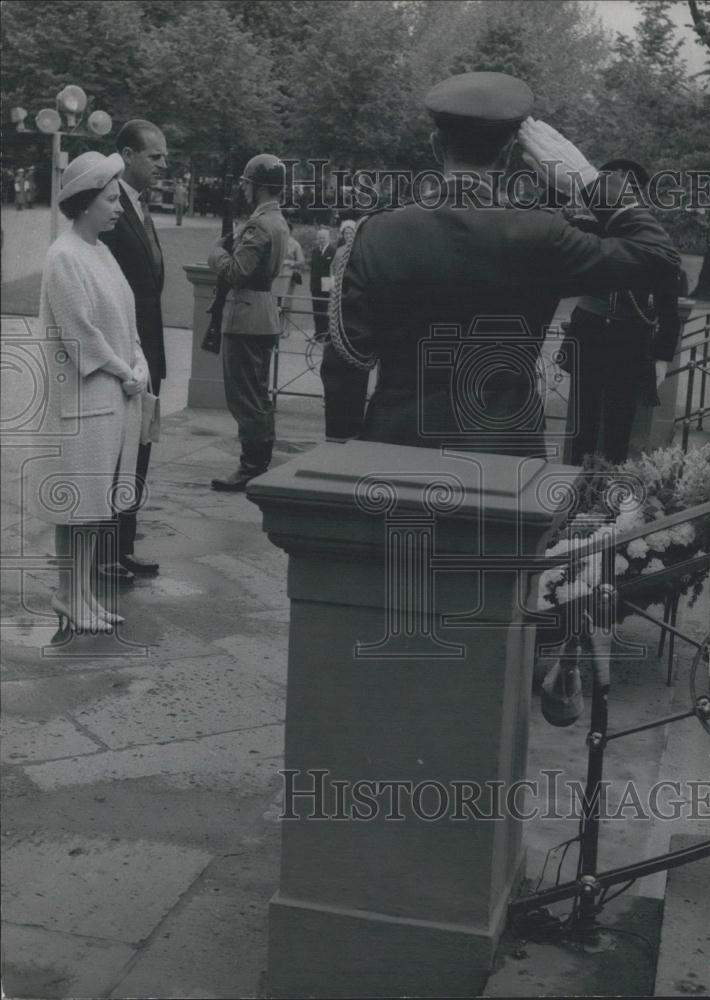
[616,344]
[250,328]
[612,344]
[452,303]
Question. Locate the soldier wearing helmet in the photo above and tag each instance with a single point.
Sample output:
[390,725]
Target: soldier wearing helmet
[251,322]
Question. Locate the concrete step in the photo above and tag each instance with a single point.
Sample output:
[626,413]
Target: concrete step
[684,955]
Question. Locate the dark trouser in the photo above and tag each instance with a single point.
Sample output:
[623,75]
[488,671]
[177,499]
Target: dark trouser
[611,373]
[320,315]
[246,360]
[127,519]
[613,406]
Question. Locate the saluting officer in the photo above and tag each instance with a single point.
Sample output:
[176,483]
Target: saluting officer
[452,301]
[251,323]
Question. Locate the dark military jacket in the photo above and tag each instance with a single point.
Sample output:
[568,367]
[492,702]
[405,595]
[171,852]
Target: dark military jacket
[453,303]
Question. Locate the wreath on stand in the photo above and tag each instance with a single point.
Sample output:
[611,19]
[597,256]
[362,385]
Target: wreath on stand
[609,538]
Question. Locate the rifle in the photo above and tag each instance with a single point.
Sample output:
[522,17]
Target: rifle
[212,340]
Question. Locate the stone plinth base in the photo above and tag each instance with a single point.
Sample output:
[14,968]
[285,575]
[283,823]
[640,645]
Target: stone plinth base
[317,950]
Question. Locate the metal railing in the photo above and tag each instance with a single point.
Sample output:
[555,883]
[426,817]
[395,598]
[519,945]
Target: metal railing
[297,310]
[695,342]
[290,307]
[589,890]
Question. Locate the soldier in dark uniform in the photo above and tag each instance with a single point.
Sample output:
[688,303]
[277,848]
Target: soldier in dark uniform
[453,302]
[623,342]
[251,322]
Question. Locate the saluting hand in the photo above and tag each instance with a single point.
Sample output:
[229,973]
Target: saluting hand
[553,157]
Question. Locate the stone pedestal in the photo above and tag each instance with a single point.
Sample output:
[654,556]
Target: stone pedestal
[407,711]
[206,385]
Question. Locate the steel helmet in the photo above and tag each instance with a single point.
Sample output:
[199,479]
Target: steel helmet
[266,171]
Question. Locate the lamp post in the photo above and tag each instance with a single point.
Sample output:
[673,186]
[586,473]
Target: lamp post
[71,101]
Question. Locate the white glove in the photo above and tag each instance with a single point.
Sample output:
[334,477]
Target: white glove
[553,157]
[661,372]
[138,381]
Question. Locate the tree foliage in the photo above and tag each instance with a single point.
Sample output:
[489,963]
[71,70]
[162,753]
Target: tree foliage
[221,96]
[344,79]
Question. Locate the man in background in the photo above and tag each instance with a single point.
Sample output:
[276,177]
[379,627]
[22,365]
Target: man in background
[619,345]
[179,200]
[135,245]
[321,259]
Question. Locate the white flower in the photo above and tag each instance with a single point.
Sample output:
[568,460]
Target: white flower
[620,565]
[551,576]
[547,584]
[638,549]
[591,571]
[560,548]
[655,566]
[682,534]
[659,541]
[630,519]
[571,591]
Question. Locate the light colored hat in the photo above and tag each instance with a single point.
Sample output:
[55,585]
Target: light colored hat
[89,172]
[348,224]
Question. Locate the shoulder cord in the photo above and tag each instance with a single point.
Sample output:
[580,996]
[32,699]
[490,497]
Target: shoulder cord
[639,311]
[336,329]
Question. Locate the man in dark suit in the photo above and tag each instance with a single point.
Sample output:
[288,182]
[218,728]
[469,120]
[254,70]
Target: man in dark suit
[134,243]
[321,259]
[453,302]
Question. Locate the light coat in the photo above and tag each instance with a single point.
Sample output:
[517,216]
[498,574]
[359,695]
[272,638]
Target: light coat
[87,320]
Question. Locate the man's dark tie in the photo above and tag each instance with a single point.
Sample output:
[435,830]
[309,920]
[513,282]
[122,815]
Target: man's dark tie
[150,232]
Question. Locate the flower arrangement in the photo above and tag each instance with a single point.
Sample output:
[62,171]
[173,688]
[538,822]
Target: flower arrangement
[614,500]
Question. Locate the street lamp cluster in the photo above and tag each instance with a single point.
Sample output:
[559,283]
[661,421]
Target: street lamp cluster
[71,101]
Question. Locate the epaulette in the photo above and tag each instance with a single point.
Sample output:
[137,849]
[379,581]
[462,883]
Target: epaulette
[336,330]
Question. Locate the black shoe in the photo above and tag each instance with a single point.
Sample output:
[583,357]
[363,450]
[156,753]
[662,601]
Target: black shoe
[237,482]
[116,573]
[141,567]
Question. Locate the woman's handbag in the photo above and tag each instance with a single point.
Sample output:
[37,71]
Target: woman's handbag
[150,416]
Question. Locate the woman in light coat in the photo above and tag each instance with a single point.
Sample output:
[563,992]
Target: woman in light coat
[97,374]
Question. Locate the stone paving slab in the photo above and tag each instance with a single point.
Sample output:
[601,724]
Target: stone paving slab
[247,760]
[86,886]
[24,740]
[255,584]
[49,964]
[147,703]
[216,941]
[183,699]
[684,955]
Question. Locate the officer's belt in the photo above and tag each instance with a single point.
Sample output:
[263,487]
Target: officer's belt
[617,308]
[255,288]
